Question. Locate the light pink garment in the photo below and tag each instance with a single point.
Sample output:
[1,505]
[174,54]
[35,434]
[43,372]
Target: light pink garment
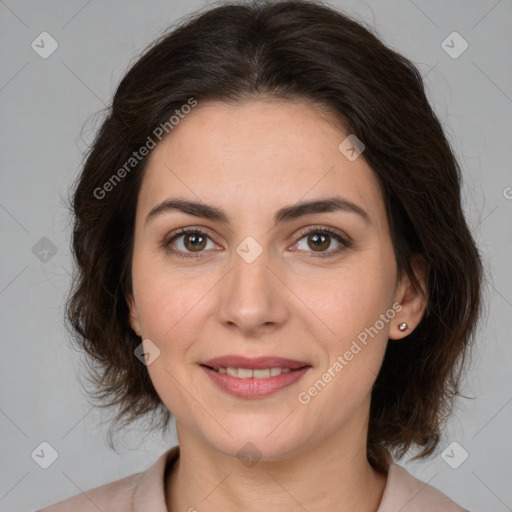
[144,492]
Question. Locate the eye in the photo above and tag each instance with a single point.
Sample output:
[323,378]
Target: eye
[320,239]
[187,241]
[193,240]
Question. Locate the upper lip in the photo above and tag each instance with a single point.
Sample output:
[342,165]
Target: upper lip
[233,361]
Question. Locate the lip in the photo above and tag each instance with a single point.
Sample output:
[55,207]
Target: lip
[256,363]
[252,388]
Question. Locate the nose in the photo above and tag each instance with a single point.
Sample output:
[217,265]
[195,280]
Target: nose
[253,297]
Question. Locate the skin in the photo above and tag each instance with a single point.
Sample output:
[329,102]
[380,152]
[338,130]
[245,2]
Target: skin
[251,159]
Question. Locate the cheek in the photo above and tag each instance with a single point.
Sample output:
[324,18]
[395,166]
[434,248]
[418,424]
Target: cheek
[169,304]
[349,299]
[351,332]
[168,301]
[353,346]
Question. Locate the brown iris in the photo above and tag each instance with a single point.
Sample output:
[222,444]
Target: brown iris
[319,241]
[197,242]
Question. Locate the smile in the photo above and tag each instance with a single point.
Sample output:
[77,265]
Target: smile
[247,373]
[251,383]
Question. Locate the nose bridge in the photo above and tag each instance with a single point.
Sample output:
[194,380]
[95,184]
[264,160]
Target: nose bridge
[251,269]
[251,297]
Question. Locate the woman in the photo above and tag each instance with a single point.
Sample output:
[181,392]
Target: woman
[270,246]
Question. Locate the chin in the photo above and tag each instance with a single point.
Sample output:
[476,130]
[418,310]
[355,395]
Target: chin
[255,439]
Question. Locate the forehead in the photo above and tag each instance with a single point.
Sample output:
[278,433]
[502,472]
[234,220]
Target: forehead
[256,154]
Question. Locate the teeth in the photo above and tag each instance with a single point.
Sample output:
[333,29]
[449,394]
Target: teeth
[232,372]
[244,373]
[247,373]
[261,374]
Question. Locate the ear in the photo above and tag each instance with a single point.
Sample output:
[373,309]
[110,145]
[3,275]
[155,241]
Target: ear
[134,315]
[412,301]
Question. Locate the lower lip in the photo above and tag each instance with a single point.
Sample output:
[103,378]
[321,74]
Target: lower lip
[252,387]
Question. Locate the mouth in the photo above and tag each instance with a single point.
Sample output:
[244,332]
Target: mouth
[256,373]
[252,378]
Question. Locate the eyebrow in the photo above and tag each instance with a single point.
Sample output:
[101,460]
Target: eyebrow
[286,214]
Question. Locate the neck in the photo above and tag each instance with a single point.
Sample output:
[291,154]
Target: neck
[332,475]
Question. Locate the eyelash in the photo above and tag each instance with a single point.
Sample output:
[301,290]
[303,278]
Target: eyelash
[345,243]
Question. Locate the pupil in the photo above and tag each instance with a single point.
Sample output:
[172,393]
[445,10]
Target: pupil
[317,238]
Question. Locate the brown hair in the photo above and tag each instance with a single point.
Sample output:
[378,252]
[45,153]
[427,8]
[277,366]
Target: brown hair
[287,50]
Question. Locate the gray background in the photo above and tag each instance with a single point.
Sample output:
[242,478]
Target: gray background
[47,120]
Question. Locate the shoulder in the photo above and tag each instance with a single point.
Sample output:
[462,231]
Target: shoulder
[406,493]
[115,496]
[136,492]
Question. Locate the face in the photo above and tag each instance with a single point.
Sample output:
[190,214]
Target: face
[258,278]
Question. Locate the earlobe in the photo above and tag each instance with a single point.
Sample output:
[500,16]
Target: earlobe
[412,300]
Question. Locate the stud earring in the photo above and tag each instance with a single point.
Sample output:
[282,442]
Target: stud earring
[402,326]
